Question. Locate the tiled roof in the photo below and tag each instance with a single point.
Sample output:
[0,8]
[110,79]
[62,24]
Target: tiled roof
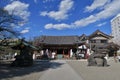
[59,40]
[98,32]
[83,37]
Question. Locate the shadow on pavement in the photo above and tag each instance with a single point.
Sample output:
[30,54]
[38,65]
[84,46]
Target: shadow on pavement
[39,66]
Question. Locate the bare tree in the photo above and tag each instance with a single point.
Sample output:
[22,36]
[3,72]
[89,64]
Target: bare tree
[7,30]
[6,23]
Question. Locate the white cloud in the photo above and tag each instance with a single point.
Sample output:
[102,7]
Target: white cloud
[61,14]
[45,1]
[35,1]
[85,21]
[57,26]
[96,4]
[109,10]
[101,24]
[26,30]
[19,9]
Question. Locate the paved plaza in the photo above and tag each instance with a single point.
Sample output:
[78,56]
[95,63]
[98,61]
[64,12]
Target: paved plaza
[61,70]
[96,73]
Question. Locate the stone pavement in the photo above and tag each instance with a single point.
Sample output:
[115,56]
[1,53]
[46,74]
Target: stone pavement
[111,72]
[23,73]
[61,72]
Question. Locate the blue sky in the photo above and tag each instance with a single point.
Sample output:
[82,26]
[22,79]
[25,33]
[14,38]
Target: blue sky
[62,17]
